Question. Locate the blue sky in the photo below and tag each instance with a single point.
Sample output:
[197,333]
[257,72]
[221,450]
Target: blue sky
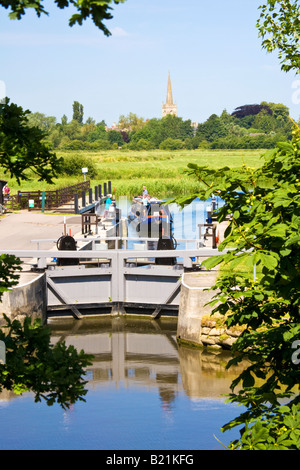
[211,49]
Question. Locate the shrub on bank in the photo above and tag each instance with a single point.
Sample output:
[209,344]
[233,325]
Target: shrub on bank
[72,166]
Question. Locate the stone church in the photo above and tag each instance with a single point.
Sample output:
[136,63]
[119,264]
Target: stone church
[169,107]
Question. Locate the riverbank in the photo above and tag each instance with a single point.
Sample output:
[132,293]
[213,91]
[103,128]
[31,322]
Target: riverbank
[162,171]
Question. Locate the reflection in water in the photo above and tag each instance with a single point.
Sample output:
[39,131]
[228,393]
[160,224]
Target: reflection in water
[145,391]
[145,352]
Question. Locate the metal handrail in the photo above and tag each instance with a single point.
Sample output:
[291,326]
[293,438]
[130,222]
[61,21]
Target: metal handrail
[117,239]
[122,255]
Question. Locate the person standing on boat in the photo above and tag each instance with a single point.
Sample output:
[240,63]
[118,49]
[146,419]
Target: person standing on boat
[145,192]
[107,205]
[145,202]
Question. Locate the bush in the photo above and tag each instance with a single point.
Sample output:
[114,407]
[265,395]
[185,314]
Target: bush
[74,145]
[171,144]
[248,142]
[99,144]
[73,165]
[141,144]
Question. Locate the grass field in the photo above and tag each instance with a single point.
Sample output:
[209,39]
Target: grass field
[163,172]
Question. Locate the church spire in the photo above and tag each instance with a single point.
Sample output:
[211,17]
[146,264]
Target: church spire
[169,107]
[169,92]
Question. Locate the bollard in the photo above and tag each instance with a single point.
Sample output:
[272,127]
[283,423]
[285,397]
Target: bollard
[76,206]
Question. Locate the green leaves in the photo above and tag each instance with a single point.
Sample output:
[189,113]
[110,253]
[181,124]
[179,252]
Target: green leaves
[280,431]
[9,267]
[21,147]
[53,373]
[97,10]
[258,289]
[279,29]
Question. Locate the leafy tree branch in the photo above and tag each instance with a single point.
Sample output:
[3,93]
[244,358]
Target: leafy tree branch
[97,10]
[263,213]
[279,28]
[22,147]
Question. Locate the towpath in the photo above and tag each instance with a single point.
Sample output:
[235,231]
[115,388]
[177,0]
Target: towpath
[18,229]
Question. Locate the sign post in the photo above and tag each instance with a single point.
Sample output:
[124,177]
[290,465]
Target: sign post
[43,200]
[84,171]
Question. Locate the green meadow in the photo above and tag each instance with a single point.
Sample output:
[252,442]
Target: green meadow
[163,172]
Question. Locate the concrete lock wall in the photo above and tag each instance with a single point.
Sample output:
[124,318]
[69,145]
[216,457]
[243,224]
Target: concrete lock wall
[27,299]
[192,308]
[196,324]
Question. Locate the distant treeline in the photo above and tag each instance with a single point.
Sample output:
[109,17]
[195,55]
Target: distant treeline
[249,127]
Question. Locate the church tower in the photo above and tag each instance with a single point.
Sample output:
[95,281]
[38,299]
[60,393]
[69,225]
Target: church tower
[169,107]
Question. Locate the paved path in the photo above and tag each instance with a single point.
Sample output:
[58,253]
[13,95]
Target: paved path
[18,229]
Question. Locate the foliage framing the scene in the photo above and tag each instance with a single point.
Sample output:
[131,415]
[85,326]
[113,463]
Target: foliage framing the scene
[279,28]
[264,233]
[51,372]
[22,147]
[97,10]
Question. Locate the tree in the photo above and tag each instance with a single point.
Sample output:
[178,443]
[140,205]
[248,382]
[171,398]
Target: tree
[78,112]
[64,120]
[175,127]
[72,130]
[251,110]
[43,122]
[97,11]
[211,129]
[115,137]
[131,122]
[279,28]
[53,373]
[98,133]
[171,144]
[22,147]
[150,131]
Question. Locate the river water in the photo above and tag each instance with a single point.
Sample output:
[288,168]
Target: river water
[145,392]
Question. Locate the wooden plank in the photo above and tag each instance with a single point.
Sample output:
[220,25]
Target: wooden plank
[62,297]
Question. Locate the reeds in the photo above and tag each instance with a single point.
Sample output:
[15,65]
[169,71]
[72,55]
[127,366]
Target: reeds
[163,172]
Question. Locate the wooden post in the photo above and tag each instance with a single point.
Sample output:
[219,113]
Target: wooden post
[76,207]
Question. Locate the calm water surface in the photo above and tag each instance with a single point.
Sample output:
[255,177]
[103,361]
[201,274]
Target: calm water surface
[144,393]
